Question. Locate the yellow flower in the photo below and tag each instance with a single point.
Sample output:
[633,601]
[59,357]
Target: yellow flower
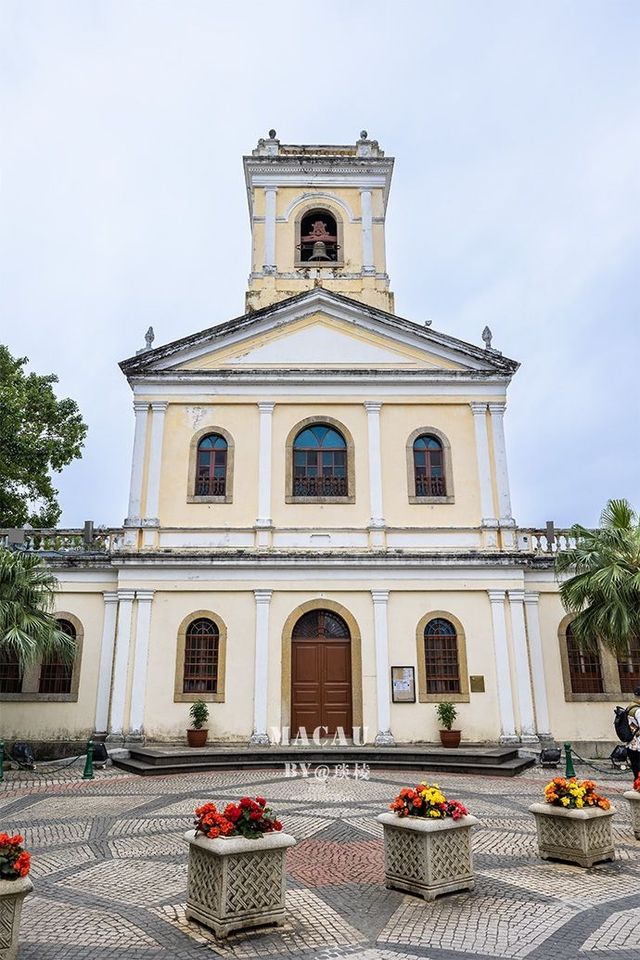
[565,801]
[579,804]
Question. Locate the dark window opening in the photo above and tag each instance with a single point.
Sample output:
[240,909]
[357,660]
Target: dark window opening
[56,674]
[320,463]
[320,625]
[201,653]
[10,672]
[318,238]
[441,657]
[428,465]
[211,467]
[585,670]
[629,667]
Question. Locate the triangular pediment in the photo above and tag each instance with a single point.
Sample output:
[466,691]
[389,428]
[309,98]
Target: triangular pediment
[319,330]
[319,341]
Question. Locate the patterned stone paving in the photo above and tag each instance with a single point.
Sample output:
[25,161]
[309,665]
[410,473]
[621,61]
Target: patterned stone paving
[109,867]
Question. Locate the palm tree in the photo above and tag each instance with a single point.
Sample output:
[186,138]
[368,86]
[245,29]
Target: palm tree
[28,629]
[604,592]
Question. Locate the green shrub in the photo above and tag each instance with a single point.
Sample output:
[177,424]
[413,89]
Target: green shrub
[447,714]
[199,714]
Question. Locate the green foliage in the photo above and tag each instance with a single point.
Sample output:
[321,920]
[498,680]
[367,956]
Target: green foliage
[447,714]
[199,714]
[27,625]
[38,434]
[604,591]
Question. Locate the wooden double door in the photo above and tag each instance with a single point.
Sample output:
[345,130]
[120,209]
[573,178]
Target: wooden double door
[321,674]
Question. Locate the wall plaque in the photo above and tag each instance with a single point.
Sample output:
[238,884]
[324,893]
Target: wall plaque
[476,684]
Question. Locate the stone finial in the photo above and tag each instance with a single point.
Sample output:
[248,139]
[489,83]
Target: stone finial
[272,134]
[149,337]
[487,336]
[363,134]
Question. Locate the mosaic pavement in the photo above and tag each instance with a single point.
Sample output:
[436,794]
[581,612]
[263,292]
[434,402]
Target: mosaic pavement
[109,868]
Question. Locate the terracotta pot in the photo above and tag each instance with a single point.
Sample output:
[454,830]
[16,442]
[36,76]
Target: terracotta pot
[197,738]
[450,738]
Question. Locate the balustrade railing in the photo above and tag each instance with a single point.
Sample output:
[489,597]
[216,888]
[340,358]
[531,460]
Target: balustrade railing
[430,487]
[89,539]
[211,487]
[320,486]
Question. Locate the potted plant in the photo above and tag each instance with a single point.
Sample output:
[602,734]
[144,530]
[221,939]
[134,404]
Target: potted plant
[199,714]
[447,714]
[574,823]
[633,796]
[236,866]
[14,887]
[427,843]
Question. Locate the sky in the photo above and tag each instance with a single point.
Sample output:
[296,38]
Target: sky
[515,201]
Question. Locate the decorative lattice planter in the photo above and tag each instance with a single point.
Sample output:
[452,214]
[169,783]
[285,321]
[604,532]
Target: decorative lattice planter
[12,894]
[428,857]
[634,802]
[578,836]
[235,884]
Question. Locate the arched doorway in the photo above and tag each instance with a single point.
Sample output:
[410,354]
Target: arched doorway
[321,674]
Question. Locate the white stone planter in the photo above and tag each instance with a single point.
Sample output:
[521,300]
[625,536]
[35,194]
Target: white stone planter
[12,894]
[634,802]
[428,857]
[579,836]
[235,884]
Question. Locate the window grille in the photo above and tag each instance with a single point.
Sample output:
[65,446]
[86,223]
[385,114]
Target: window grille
[56,674]
[320,463]
[441,657]
[320,625]
[211,466]
[629,667]
[10,672]
[201,653]
[585,669]
[428,465]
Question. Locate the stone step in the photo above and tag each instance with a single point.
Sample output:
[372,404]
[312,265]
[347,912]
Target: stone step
[502,762]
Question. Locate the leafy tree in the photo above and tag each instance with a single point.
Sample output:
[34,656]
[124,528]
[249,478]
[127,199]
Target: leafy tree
[28,628]
[38,434]
[604,591]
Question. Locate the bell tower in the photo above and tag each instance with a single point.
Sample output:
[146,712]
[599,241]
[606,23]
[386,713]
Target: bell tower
[318,216]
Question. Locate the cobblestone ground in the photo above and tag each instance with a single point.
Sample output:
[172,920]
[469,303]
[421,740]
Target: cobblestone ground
[110,863]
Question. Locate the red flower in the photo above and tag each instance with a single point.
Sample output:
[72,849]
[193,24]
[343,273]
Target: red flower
[277,825]
[245,802]
[261,801]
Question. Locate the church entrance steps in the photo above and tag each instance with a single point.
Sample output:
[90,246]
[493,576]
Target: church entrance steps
[163,759]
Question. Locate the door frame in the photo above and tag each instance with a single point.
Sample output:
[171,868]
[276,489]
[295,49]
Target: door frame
[356,657]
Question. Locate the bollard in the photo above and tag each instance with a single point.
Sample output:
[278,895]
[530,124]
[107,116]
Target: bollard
[1,760]
[569,770]
[88,764]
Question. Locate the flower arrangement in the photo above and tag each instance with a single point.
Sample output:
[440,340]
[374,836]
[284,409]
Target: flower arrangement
[248,818]
[574,794]
[636,783]
[14,860]
[426,800]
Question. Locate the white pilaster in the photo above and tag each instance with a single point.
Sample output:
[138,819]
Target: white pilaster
[264,465]
[263,600]
[375,463]
[521,663]
[139,685]
[479,411]
[121,663]
[543,725]
[155,463]
[269,265]
[503,672]
[105,668]
[381,637]
[500,457]
[366,207]
[141,411]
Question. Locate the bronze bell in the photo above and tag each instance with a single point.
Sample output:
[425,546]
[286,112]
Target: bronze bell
[319,251]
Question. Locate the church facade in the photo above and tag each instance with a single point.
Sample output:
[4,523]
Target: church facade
[319,533]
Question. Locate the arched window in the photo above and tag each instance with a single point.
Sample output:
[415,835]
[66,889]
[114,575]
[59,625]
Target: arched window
[585,669]
[429,467]
[629,667]
[320,625]
[318,240]
[441,657]
[201,655]
[320,462]
[10,672]
[211,466]
[56,674]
